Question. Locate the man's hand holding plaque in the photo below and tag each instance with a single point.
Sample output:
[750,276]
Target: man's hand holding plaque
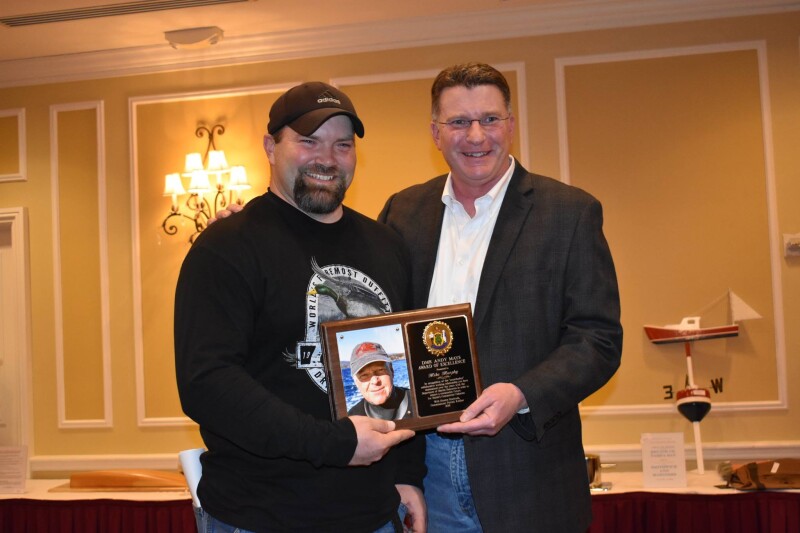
[487,415]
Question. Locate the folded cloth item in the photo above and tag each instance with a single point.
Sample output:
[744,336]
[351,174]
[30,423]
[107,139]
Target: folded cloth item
[771,475]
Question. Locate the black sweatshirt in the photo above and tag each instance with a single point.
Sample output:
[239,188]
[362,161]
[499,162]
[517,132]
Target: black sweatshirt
[250,374]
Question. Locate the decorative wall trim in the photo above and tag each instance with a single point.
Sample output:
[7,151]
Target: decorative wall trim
[506,22]
[72,463]
[107,420]
[138,340]
[774,245]
[729,451]
[670,409]
[611,453]
[22,156]
[562,63]
[19,277]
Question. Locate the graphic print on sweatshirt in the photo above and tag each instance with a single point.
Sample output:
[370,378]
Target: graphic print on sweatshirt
[335,292]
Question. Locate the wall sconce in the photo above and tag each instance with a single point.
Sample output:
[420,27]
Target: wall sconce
[199,169]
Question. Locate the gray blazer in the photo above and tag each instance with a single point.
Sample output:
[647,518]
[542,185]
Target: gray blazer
[547,320]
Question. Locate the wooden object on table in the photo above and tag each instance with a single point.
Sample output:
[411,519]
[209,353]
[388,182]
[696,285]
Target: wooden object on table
[129,480]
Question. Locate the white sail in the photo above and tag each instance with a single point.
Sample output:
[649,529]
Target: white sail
[740,310]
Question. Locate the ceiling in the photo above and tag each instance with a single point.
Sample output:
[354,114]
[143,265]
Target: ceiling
[257,30]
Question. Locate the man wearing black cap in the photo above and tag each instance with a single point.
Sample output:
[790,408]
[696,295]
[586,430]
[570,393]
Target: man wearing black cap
[372,372]
[248,305]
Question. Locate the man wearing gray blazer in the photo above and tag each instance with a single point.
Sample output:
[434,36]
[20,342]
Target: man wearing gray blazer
[528,252]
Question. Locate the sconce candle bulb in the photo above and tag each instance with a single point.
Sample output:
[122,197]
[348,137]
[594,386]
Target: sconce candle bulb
[174,187]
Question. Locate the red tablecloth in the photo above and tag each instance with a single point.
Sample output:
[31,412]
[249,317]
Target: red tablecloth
[651,512]
[626,512]
[96,516]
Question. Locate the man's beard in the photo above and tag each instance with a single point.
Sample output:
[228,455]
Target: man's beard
[315,199]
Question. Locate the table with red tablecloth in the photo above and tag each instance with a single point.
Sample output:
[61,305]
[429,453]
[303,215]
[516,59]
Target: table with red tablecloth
[628,507]
[39,510]
[700,507]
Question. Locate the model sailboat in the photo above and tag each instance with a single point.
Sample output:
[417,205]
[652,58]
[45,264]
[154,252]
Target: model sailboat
[689,328]
[694,402]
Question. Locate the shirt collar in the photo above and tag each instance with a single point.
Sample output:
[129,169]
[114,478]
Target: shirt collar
[449,197]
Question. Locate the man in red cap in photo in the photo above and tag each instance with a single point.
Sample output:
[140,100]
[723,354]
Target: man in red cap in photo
[372,372]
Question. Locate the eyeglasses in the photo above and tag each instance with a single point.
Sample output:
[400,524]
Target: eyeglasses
[487,123]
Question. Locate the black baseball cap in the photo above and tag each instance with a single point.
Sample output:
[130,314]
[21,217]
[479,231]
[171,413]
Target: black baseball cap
[305,107]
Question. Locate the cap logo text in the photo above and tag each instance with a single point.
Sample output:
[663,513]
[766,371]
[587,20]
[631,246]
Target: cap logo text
[327,97]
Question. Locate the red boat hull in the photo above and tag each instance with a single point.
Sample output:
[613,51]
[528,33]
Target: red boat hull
[662,335]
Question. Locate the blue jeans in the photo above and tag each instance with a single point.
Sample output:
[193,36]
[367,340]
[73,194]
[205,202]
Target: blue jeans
[208,524]
[447,490]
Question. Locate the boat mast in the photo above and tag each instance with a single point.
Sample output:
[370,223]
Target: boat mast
[698,444]
[689,370]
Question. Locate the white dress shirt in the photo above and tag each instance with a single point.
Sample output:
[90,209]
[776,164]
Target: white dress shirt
[463,244]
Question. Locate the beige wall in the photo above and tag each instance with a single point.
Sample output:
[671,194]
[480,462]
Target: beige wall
[686,132]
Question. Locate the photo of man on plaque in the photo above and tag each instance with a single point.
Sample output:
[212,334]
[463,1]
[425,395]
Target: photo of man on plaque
[375,378]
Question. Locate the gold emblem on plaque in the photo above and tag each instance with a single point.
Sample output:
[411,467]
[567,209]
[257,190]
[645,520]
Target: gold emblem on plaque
[438,337]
